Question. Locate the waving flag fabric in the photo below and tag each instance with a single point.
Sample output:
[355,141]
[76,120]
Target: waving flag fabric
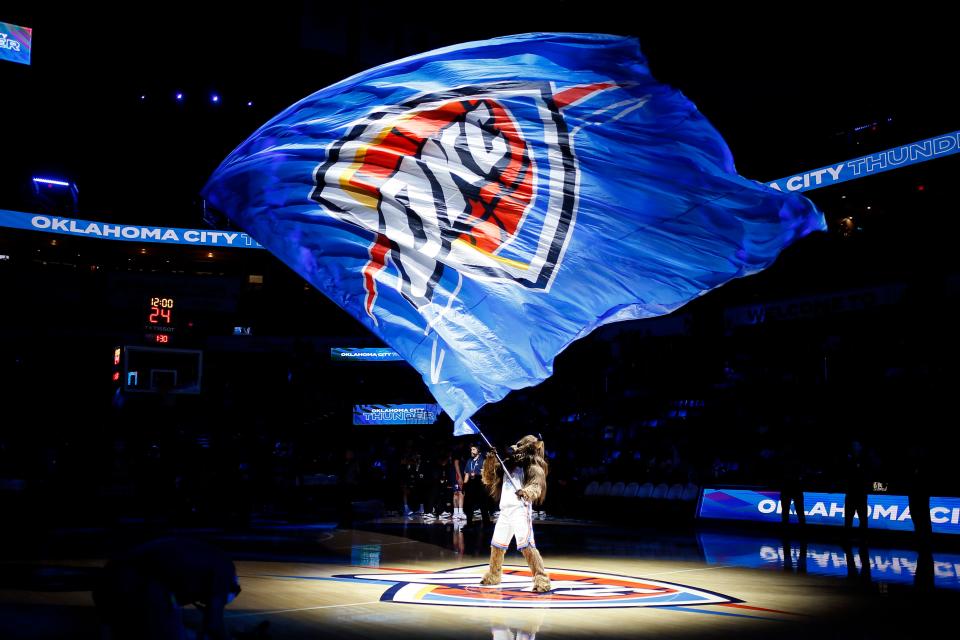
[482,206]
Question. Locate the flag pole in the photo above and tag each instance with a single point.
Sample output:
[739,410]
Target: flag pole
[506,473]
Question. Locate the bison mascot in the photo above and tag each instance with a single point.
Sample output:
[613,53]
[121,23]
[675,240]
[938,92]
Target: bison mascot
[527,464]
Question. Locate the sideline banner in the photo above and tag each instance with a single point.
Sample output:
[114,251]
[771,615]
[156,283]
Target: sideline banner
[883,511]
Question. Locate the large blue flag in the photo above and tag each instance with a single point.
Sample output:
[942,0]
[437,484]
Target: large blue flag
[482,206]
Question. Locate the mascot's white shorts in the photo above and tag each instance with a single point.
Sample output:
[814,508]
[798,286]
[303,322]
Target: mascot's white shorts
[514,521]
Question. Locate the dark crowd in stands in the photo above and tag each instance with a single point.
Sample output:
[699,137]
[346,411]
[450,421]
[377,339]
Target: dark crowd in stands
[271,436]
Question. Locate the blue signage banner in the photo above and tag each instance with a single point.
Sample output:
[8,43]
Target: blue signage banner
[902,156]
[350,354]
[381,414]
[824,559]
[125,232]
[945,515]
[884,511]
[15,43]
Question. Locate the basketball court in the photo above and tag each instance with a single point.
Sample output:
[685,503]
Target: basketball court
[404,579]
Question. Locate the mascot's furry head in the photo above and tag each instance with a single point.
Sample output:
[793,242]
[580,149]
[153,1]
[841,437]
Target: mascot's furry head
[528,450]
[529,454]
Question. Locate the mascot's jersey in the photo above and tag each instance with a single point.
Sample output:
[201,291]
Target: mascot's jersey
[508,494]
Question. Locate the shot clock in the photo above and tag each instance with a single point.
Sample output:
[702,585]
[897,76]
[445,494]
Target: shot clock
[161,312]
[160,319]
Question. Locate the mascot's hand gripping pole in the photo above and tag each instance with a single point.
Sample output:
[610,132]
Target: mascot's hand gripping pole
[506,473]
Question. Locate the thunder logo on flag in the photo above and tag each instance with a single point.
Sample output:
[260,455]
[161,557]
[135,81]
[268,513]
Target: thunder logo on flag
[448,179]
[480,207]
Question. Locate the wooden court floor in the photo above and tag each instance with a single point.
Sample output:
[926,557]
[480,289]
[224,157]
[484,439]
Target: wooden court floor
[389,583]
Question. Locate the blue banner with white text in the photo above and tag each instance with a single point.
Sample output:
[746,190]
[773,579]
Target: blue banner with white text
[884,511]
[125,232]
[895,158]
[374,354]
[386,414]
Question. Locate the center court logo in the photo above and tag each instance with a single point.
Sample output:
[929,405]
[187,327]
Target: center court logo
[571,589]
